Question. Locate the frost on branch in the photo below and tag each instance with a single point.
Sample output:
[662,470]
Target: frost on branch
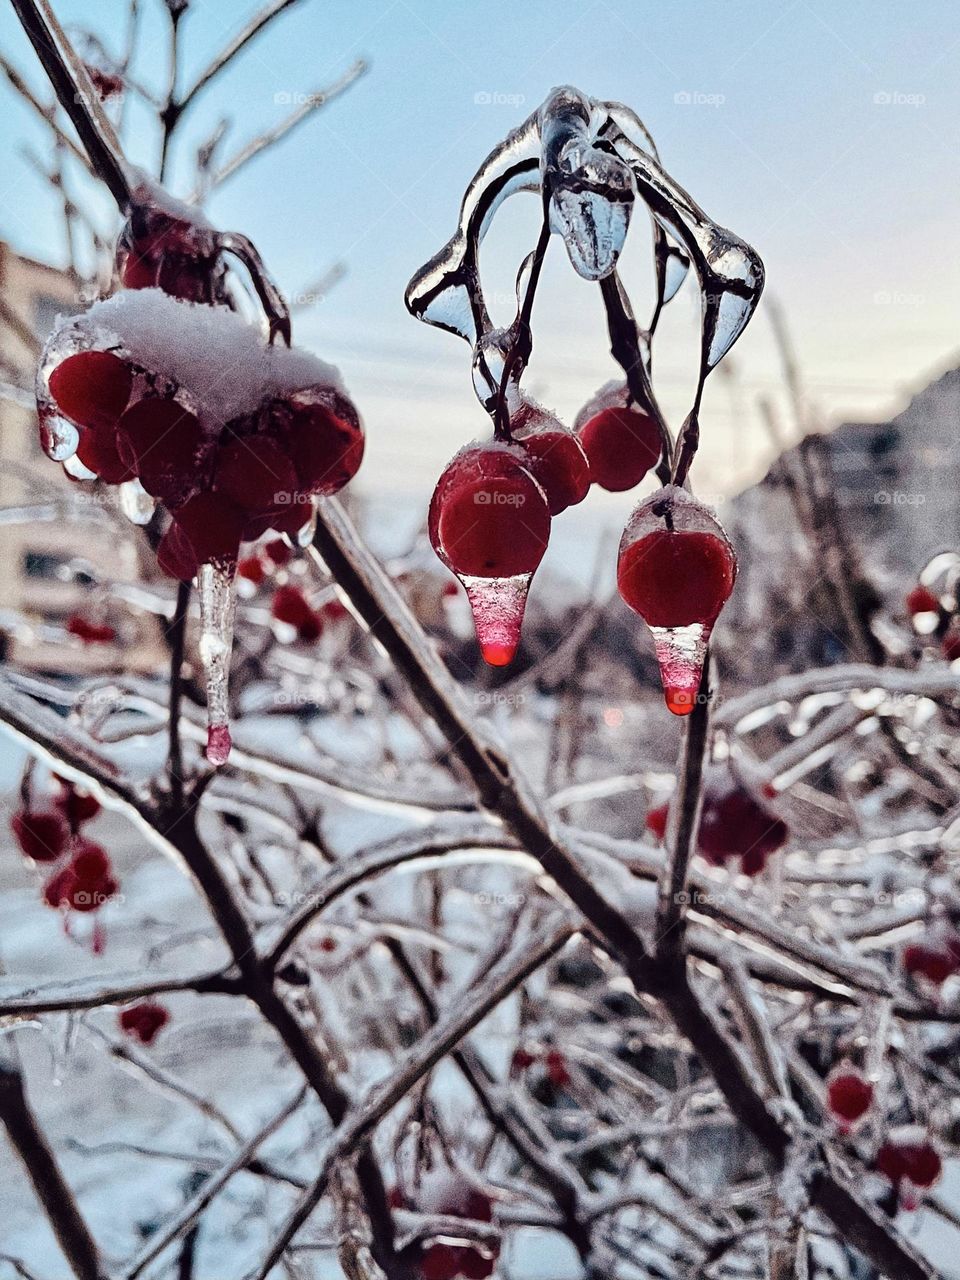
[186,405]
[589,162]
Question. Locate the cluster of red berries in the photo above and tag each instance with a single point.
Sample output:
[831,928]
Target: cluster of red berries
[180,255]
[448,1193]
[554,1065]
[84,881]
[490,520]
[144,1020]
[260,472]
[733,824]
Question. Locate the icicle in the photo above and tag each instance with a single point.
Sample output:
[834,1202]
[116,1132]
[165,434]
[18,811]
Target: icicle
[680,653]
[216,643]
[497,605]
[135,503]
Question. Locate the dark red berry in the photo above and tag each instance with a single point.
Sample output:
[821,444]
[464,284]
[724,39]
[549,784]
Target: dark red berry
[735,825]
[935,963]
[675,578]
[440,1262]
[521,1060]
[256,474]
[922,600]
[557,1071]
[849,1095]
[162,441]
[90,632]
[622,445]
[85,883]
[41,836]
[291,606]
[489,518]
[656,822]
[908,1159]
[98,450]
[159,250]
[143,1021]
[252,569]
[279,552]
[213,527]
[91,388]
[321,432]
[950,645]
[76,806]
[176,556]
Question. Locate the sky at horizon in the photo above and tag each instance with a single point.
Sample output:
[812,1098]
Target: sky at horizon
[824,134]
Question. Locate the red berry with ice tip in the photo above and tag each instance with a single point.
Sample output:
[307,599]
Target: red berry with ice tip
[849,1095]
[489,523]
[41,836]
[910,1161]
[91,388]
[320,430]
[921,600]
[676,569]
[622,444]
[144,1020]
[555,457]
[163,443]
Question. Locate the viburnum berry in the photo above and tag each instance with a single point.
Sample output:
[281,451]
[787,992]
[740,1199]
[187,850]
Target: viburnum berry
[91,388]
[290,606]
[162,442]
[278,551]
[558,1073]
[320,431]
[733,824]
[849,1095]
[554,457]
[90,632]
[621,442]
[76,806]
[253,570]
[108,84]
[255,474]
[489,523]
[521,1060]
[910,1161]
[950,645]
[922,600]
[144,1020]
[676,569]
[180,255]
[210,527]
[934,961]
[41,835]
[656,820]
[98,450]
[449,1193]
[86,883]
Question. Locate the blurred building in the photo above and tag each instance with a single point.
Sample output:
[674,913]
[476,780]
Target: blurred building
[63,545]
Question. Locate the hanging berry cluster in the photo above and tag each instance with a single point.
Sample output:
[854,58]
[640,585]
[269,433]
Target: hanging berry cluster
[492,508]
[50,833]
[168,393]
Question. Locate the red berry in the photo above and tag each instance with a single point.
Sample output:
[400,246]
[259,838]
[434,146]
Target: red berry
[291,606]
[440,1262]
[90,862]
[950,645]
[489,518]
[56,891]
[621,444]
[76,806]
[321,432]
[849,1095]
[934,963]
[176,556]
[41,836]
[90,632]
[675,578]
[908,1156]
[91,388]
[213,527]
[328,944]
[922,600]
[557,1072]
[143,1021]
[98,450]
[252,568]
[521,1060]
[159,250]
[656,822]
[85,883]
[279,552]
[255,474]
[733,824]
[555,458]
[162,441]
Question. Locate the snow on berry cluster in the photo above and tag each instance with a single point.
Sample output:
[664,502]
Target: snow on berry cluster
[491,510]
[186,405]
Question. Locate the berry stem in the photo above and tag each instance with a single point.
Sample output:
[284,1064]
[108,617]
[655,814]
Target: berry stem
[522,345]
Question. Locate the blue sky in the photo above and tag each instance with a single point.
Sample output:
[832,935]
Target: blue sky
[825,133]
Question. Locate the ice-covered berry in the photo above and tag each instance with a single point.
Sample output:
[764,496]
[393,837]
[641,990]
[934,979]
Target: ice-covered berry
[76,806]
[622,444]
[255,474]
[554,456]
[91,388]
[675,578]
[933,961]
[144,1020]
[157,249]
[849,1095]
[163,443]
[41,835]
[910,1162]
[320,431]
[212,525]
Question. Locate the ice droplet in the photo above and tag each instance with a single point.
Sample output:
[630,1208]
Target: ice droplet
[680,654]
[216,643]
[58,437]
[497,605]
[135,503]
